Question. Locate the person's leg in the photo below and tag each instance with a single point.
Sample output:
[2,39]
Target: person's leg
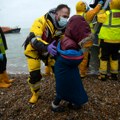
[49,66]
[3,76]
[55,105]
[34,78]
[114,61]
[83,65]
[47,70]
[73,106]
[56,102]
[104,57]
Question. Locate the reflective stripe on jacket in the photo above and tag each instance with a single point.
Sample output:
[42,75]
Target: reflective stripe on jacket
[2,48]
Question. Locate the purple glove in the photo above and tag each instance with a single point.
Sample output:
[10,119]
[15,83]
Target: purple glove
[52,49]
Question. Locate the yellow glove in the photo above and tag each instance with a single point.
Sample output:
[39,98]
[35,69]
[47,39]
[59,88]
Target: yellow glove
[87,42]
[101,11]
[101,16]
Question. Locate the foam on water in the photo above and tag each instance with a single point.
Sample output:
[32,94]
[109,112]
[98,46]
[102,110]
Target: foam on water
[16,61]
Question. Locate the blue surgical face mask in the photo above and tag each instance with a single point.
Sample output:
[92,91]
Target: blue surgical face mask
[62,22]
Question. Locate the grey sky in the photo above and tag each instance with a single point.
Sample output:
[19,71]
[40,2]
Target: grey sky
[22,13]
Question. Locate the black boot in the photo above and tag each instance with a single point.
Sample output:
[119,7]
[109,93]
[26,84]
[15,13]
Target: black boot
[57,108]
[55,105]
[114,76]
[73,106]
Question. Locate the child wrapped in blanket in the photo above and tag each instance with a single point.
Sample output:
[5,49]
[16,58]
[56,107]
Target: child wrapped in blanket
[69,86]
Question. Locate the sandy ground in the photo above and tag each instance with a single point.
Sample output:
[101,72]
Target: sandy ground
[104,101]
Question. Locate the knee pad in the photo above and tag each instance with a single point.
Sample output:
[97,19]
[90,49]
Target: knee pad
[35,76]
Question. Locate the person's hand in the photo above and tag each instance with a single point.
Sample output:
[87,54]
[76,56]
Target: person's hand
[101,2]
[1,56]
[52,48]
[88,44]
[101,11]
[101,16]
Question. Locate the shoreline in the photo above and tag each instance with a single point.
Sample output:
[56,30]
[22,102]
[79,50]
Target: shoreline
[103,104]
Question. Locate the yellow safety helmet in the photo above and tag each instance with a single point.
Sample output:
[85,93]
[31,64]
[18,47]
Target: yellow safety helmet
[81,6]
[115,4]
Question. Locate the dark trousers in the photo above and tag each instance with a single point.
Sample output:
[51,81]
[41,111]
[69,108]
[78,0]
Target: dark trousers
[3,64]
[109,50]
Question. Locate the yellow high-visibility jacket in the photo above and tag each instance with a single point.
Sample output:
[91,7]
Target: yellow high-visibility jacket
[110,30]
[45,31]
[3,44]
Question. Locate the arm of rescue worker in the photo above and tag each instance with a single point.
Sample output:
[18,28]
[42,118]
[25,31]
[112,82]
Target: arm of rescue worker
[37,29]
[87,42]
[38,45]
[102,16]
[37,42]
[91,13]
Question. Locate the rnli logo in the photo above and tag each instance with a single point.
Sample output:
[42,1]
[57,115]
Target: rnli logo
[116,15]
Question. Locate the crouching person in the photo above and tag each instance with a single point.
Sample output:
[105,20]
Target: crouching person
[41,44]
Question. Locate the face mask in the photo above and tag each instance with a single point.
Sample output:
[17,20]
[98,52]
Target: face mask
[62,22]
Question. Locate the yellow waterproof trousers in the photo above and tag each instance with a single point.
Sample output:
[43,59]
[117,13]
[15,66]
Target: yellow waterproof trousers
[109,54]
[35,76]
[34,70]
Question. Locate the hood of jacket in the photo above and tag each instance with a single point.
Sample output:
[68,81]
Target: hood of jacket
[51,16]
[77,29]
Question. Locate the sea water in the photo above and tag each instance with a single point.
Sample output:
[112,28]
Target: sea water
[16,61]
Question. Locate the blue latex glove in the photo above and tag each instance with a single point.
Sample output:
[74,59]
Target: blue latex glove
[101,2]
[1,56]
[52,48]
